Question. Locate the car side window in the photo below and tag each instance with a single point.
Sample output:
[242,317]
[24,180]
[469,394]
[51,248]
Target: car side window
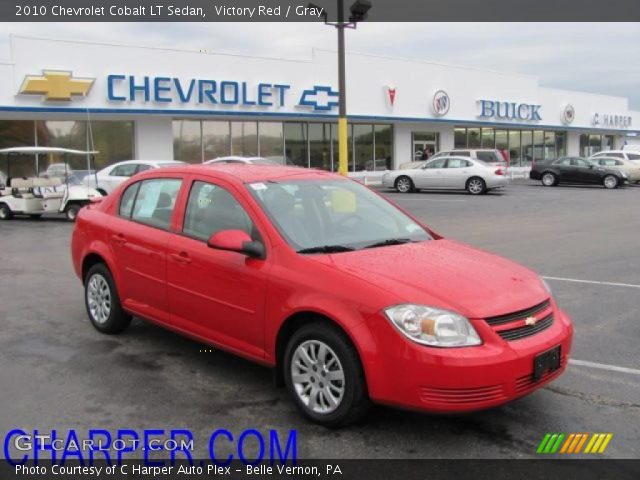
[155,201]
[456,163]
[617,155]
[564,161]
[461,153]
[127,199]
[488,157]
[211,209]
[143,167]
[124,170]
[633,156]
[439,163]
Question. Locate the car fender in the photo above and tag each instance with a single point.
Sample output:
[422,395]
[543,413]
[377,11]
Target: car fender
[348,316]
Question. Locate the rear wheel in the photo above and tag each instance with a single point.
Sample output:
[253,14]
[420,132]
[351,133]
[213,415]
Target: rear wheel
[476,186]
[71,212]
[102,301]
[610,181]
[5,212]
[324,376]
[549,179]
[404,184]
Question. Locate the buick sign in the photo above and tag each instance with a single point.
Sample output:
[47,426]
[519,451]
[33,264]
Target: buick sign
[568,114]
[509,110]
[441,103]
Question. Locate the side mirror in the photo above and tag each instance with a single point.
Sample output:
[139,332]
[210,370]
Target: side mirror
[236,241]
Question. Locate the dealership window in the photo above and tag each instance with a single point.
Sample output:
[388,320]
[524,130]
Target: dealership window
[271,141]
[459,137]
[244,139]
[296,145]
[522,146]
[363,143]
[216,139]
[320,145]
[17,133]
[425,141]
[187,141]
[383,141]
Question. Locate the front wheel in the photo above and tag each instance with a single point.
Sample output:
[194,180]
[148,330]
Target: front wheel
[102,301]
[404,184]
[324,376]
[71,212]
[476,186]
[610,181]
[5,212]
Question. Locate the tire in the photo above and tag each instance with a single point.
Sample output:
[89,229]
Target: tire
[342,361]
[476,186]
[71,211]
[549,179]
[5,212]
[404,184]
[99,288]
[610,182]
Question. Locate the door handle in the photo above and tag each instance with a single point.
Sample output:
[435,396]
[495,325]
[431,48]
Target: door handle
[182,257]
[119,239]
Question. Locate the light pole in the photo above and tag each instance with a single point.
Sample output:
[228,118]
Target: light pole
[359,11]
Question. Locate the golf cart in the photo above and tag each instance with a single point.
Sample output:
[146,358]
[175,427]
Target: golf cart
[34,196]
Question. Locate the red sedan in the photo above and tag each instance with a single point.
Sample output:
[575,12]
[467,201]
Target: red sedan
[349,298]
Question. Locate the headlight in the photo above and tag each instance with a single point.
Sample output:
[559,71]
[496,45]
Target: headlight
[433,326]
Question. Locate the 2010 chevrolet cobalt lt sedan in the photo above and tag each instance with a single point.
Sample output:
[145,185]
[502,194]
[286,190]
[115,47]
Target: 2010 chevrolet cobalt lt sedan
[348,298]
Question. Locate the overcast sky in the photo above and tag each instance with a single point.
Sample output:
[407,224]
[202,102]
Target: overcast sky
[592,57]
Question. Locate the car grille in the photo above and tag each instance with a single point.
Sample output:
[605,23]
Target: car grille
[526,331]
[510,317]
[512,326]
[461,396]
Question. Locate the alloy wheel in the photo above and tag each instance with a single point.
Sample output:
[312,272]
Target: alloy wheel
[403,185]
[99,298]
[548,179]
[318,376]
[476,186]
[610,181]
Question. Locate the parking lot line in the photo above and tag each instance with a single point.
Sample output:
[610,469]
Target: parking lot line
[576,280]
[602,366]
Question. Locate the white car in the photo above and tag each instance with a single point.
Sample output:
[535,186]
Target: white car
[629,167]
[490,156]
[244,160]
[110,177]
[448,173]
[631,155]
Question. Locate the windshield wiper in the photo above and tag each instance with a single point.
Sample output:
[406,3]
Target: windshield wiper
[389,241]
[327,249]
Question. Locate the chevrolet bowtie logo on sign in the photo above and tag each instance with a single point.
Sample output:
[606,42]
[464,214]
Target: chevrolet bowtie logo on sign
[56,85]
[574,443]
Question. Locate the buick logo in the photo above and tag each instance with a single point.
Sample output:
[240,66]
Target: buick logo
[568,114]
[441,103]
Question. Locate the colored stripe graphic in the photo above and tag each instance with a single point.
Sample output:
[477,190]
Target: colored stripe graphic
[573,443]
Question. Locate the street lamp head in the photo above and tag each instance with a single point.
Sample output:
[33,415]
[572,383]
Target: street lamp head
[359,10]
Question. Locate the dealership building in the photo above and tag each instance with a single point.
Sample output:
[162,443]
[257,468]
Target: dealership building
[133,102]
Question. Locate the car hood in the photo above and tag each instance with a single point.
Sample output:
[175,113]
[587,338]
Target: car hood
[446,274]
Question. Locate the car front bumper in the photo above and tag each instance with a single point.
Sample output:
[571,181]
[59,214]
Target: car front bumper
[449,380]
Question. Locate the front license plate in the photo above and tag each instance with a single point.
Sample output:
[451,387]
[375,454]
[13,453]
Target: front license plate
[547,361]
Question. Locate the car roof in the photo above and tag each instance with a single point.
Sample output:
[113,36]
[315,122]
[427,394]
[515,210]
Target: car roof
[43,150]
[246,173]
[127,162]
[235,157]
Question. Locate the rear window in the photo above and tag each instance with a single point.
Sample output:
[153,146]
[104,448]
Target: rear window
[151,201]
[633,156]
[490,157]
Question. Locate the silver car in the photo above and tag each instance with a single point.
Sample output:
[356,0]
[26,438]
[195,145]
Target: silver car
[448,173]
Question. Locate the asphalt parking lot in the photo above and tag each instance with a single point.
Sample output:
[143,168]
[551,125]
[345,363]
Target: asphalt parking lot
[57,372]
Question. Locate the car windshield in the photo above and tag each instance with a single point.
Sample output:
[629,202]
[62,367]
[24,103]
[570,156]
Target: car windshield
[264,161]
[325,216]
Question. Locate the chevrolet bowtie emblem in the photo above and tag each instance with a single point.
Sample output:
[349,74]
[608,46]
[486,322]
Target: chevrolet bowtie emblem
[530,321]
[56,85]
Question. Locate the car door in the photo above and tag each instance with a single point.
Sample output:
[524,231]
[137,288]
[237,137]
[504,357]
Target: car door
[430,175]
[586,172]
[219,295]
[456,173]
[565,171]
[138,237]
